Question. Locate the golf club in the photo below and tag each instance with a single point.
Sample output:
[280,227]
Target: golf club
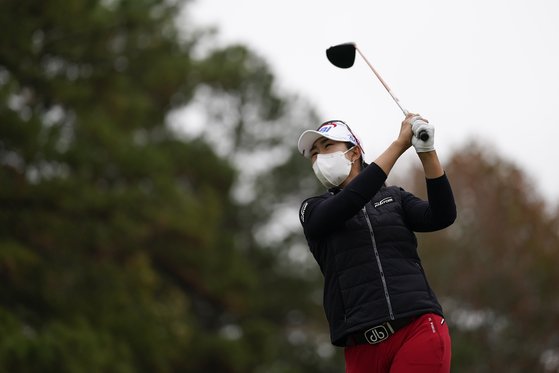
[343,56]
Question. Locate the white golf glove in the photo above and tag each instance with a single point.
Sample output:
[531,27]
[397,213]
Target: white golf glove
[421,128]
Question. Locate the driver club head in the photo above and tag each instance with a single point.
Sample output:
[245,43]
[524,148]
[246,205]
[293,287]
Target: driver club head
[341,55]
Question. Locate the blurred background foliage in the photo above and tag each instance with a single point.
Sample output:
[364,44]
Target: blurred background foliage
[131,244]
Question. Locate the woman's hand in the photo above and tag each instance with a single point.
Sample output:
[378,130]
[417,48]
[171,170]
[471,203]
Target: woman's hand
[406,133]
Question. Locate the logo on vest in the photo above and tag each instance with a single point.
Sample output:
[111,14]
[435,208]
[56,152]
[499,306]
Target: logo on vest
[383,201]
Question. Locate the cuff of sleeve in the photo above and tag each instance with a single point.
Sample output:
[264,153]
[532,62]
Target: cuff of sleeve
[438,180]
[377,169]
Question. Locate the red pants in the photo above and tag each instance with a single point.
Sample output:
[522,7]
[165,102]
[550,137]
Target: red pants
[420,347]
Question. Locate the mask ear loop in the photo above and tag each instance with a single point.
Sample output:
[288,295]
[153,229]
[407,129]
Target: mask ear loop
[358,144]
[352,162]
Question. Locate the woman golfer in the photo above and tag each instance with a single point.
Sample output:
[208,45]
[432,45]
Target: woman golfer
[377,299]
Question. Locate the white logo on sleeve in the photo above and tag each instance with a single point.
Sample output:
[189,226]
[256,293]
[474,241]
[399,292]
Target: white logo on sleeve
[302,211]
[383,201]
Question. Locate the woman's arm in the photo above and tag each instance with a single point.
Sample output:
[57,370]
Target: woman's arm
[440,210]
[319,215]
[431,164]
[388,158]
[437,213]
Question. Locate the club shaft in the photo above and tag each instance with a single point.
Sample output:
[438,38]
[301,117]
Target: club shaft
[383,82]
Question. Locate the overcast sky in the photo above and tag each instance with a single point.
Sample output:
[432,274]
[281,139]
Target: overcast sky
[479,69]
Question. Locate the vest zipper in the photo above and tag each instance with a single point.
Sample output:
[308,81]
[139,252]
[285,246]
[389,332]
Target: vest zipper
[377,257]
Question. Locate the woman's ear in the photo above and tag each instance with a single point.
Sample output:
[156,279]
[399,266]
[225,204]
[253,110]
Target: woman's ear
[355,153]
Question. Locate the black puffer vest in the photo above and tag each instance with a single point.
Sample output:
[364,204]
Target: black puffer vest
[372,270]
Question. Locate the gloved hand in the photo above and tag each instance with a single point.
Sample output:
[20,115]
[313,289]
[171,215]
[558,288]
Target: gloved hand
[419,126]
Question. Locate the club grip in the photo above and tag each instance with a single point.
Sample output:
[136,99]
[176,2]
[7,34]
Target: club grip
[423,135]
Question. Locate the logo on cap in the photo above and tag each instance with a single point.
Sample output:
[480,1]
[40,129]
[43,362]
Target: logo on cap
[327,127]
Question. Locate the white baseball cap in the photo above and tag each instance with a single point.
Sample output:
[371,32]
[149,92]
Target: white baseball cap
[333,129]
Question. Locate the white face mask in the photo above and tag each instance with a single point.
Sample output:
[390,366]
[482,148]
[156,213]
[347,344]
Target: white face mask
[332,169]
